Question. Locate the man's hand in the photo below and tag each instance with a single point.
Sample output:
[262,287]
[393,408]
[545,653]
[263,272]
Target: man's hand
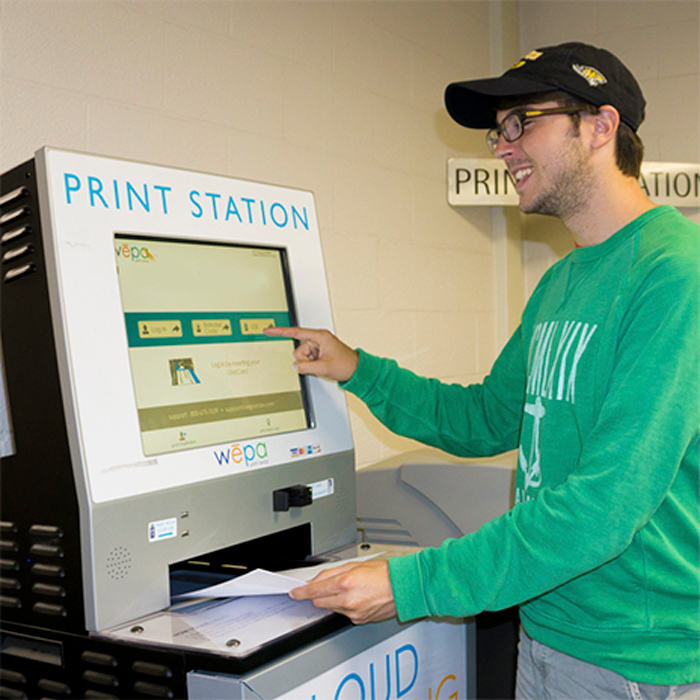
[361,591]
[320,353]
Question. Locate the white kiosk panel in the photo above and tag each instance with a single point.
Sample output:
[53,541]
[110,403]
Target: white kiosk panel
[167,235]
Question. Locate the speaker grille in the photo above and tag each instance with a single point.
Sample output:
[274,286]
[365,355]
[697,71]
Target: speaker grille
[119,563]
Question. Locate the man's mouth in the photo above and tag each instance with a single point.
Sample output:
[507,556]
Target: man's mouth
[522,174]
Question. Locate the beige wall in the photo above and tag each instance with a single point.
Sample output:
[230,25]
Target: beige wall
[659,42]
[345,99]
[342,98]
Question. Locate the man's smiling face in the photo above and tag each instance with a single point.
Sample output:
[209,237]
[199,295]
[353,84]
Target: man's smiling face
[549,162]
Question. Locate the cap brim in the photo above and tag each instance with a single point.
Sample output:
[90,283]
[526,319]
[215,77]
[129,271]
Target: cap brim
[473,103]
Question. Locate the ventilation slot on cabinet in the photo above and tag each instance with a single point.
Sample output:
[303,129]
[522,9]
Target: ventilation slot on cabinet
[13,196]
[14,234]
[13,215]
[19,251]
[48,596]
[16,231]
[385,531]
[10,585]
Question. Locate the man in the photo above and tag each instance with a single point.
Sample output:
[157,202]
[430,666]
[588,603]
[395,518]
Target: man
[598,390]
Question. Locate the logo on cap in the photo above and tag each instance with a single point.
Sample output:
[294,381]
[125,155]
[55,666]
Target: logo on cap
[591,75]
[532,56]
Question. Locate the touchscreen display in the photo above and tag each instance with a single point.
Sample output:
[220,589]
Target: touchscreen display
[203,371]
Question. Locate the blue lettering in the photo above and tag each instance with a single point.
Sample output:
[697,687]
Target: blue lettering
[72,183]
[388,679]
[130,190]
[95,189]
[296,215]
[411,650]
[250,213]
[262,211]
[249,454]
[347,679]
[116,194]
[277,205]
[232,210]
[222,457]
[163,189]
[213,196]
[197,214]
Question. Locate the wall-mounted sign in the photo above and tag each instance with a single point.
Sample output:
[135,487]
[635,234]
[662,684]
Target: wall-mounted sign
[487,182]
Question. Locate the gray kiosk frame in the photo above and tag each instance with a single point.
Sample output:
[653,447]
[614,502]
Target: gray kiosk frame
[80,496]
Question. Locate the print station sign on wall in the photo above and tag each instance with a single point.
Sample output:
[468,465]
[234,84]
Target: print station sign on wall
[487,182]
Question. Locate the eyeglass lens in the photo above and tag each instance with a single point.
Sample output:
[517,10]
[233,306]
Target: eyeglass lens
[512,125]
[511,128]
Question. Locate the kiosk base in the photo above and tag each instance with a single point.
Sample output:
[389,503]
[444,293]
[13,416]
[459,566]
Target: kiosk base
[386,660]
[265,647]
[429,659]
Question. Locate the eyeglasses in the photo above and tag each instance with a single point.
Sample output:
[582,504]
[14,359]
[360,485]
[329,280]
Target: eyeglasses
[512,127]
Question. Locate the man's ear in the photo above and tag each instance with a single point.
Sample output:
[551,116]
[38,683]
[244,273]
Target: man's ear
[605,125]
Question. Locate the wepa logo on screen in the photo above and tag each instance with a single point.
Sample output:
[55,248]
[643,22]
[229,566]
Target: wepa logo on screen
[134,253]
[248,455]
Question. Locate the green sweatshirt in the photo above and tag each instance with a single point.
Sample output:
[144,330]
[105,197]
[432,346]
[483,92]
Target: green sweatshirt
[599,389]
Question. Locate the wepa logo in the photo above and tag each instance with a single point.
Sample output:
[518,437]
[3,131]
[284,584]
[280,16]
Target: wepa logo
[248,455]
[134,253]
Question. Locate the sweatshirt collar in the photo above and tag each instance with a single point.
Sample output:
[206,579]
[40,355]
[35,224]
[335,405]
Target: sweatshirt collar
[596,251]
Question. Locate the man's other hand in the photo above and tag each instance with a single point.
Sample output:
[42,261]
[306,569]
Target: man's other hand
[361,591]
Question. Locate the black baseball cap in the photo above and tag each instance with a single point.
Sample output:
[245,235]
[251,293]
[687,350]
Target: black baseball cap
[592,74]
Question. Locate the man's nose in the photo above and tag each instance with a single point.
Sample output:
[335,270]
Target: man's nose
[503,148]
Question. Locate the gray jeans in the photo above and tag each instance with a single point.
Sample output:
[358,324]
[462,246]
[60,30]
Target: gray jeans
[546,674]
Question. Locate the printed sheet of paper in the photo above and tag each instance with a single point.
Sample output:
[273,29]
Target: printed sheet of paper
[263,582]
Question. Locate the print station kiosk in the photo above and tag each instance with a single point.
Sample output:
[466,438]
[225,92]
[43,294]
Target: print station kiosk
[157,441]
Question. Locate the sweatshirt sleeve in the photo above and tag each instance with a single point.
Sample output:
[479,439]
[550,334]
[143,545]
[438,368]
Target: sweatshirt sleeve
[639,463]
[473,421]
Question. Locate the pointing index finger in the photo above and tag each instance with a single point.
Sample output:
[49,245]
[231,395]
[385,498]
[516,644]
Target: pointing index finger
[290,332]
[281,331]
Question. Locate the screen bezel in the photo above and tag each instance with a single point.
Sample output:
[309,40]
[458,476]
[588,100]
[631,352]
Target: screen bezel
[291,308]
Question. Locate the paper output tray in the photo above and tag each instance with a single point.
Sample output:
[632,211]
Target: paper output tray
[234,635]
